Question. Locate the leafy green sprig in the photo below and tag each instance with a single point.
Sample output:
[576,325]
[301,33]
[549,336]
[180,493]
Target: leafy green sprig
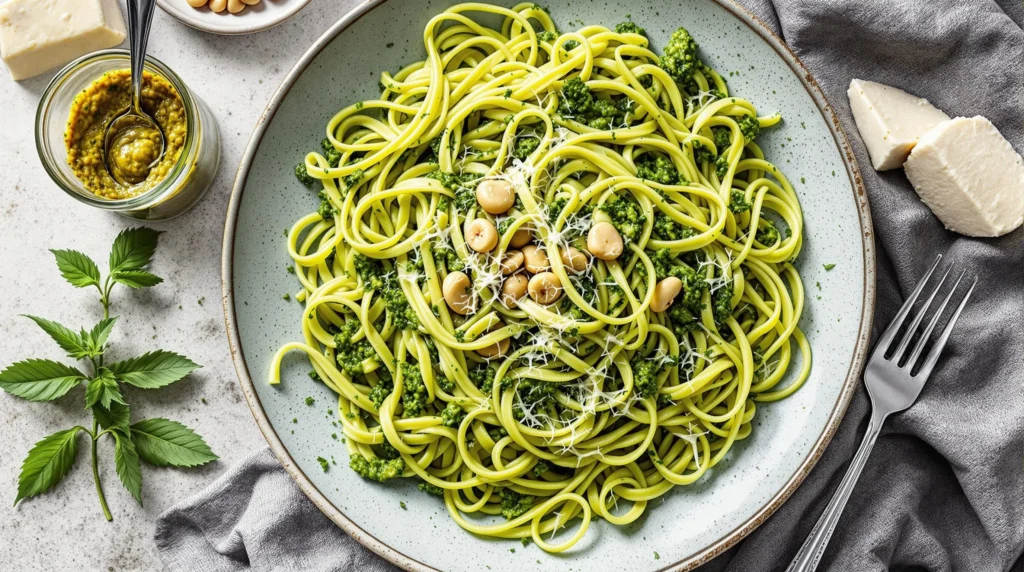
[159,442]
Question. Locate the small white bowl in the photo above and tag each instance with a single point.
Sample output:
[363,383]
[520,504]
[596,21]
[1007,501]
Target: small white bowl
[265,15]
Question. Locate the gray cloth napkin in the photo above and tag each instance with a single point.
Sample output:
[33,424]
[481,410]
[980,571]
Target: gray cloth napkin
[944,487]
[254,518]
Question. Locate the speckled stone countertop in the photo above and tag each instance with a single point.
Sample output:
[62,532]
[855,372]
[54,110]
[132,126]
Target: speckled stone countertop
[65,529]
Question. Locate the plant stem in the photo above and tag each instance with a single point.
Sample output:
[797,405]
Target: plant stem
[105,300]
[105,296]
[106,304]
[96,473]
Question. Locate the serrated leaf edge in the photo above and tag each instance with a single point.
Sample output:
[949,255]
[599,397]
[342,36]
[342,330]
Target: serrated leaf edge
[123,443]
[69,442]
[139,435]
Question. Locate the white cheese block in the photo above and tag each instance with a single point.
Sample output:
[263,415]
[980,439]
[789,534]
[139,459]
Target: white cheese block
[970,176]
[890,121]
[39,35]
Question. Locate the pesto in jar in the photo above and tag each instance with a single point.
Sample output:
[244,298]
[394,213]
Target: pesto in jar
[134,150]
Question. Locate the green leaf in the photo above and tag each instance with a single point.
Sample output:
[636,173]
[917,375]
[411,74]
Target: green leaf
[74,344]
[136,278]
[97,337]
[77,268]
[103,390]
[154,369]
[39,379]
[117,415]
[93,392]
[163,442]
[126,462]
[47,463]
[133,249]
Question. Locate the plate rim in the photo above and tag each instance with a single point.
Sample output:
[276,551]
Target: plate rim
[197,24]
[705,554]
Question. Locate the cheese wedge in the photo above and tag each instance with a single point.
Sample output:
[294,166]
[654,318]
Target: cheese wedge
[970,176]
[890,121]
[39,35]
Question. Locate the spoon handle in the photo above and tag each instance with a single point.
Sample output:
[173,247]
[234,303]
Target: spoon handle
[140,16]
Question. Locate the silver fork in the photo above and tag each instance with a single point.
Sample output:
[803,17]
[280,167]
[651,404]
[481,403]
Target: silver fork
[892,388]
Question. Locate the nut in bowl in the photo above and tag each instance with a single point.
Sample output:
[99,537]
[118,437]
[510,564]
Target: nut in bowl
[232,17]
[232,6]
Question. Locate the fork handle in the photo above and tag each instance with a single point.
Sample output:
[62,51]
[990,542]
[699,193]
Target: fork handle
[810,553]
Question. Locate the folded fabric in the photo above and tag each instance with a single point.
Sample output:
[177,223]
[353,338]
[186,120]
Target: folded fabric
[254,518]
[944,488]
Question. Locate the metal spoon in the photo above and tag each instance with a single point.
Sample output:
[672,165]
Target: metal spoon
[134,122]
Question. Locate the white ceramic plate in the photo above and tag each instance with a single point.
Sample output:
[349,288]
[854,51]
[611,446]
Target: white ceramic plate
[266,14]
[694,523]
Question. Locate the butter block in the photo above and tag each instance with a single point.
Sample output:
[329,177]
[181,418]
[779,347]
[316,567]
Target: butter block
[39,35]
[890,121]
[970,176]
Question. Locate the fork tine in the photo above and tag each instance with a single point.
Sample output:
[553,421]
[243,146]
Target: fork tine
[931,323]
[890,333]
[920,316]
[933,355]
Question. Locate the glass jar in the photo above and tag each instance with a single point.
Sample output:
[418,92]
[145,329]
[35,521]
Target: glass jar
[183,186]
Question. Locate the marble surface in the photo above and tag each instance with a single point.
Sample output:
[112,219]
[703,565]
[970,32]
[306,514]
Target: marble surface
[65,528]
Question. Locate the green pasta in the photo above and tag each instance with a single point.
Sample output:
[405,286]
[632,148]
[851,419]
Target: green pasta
[547,415]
